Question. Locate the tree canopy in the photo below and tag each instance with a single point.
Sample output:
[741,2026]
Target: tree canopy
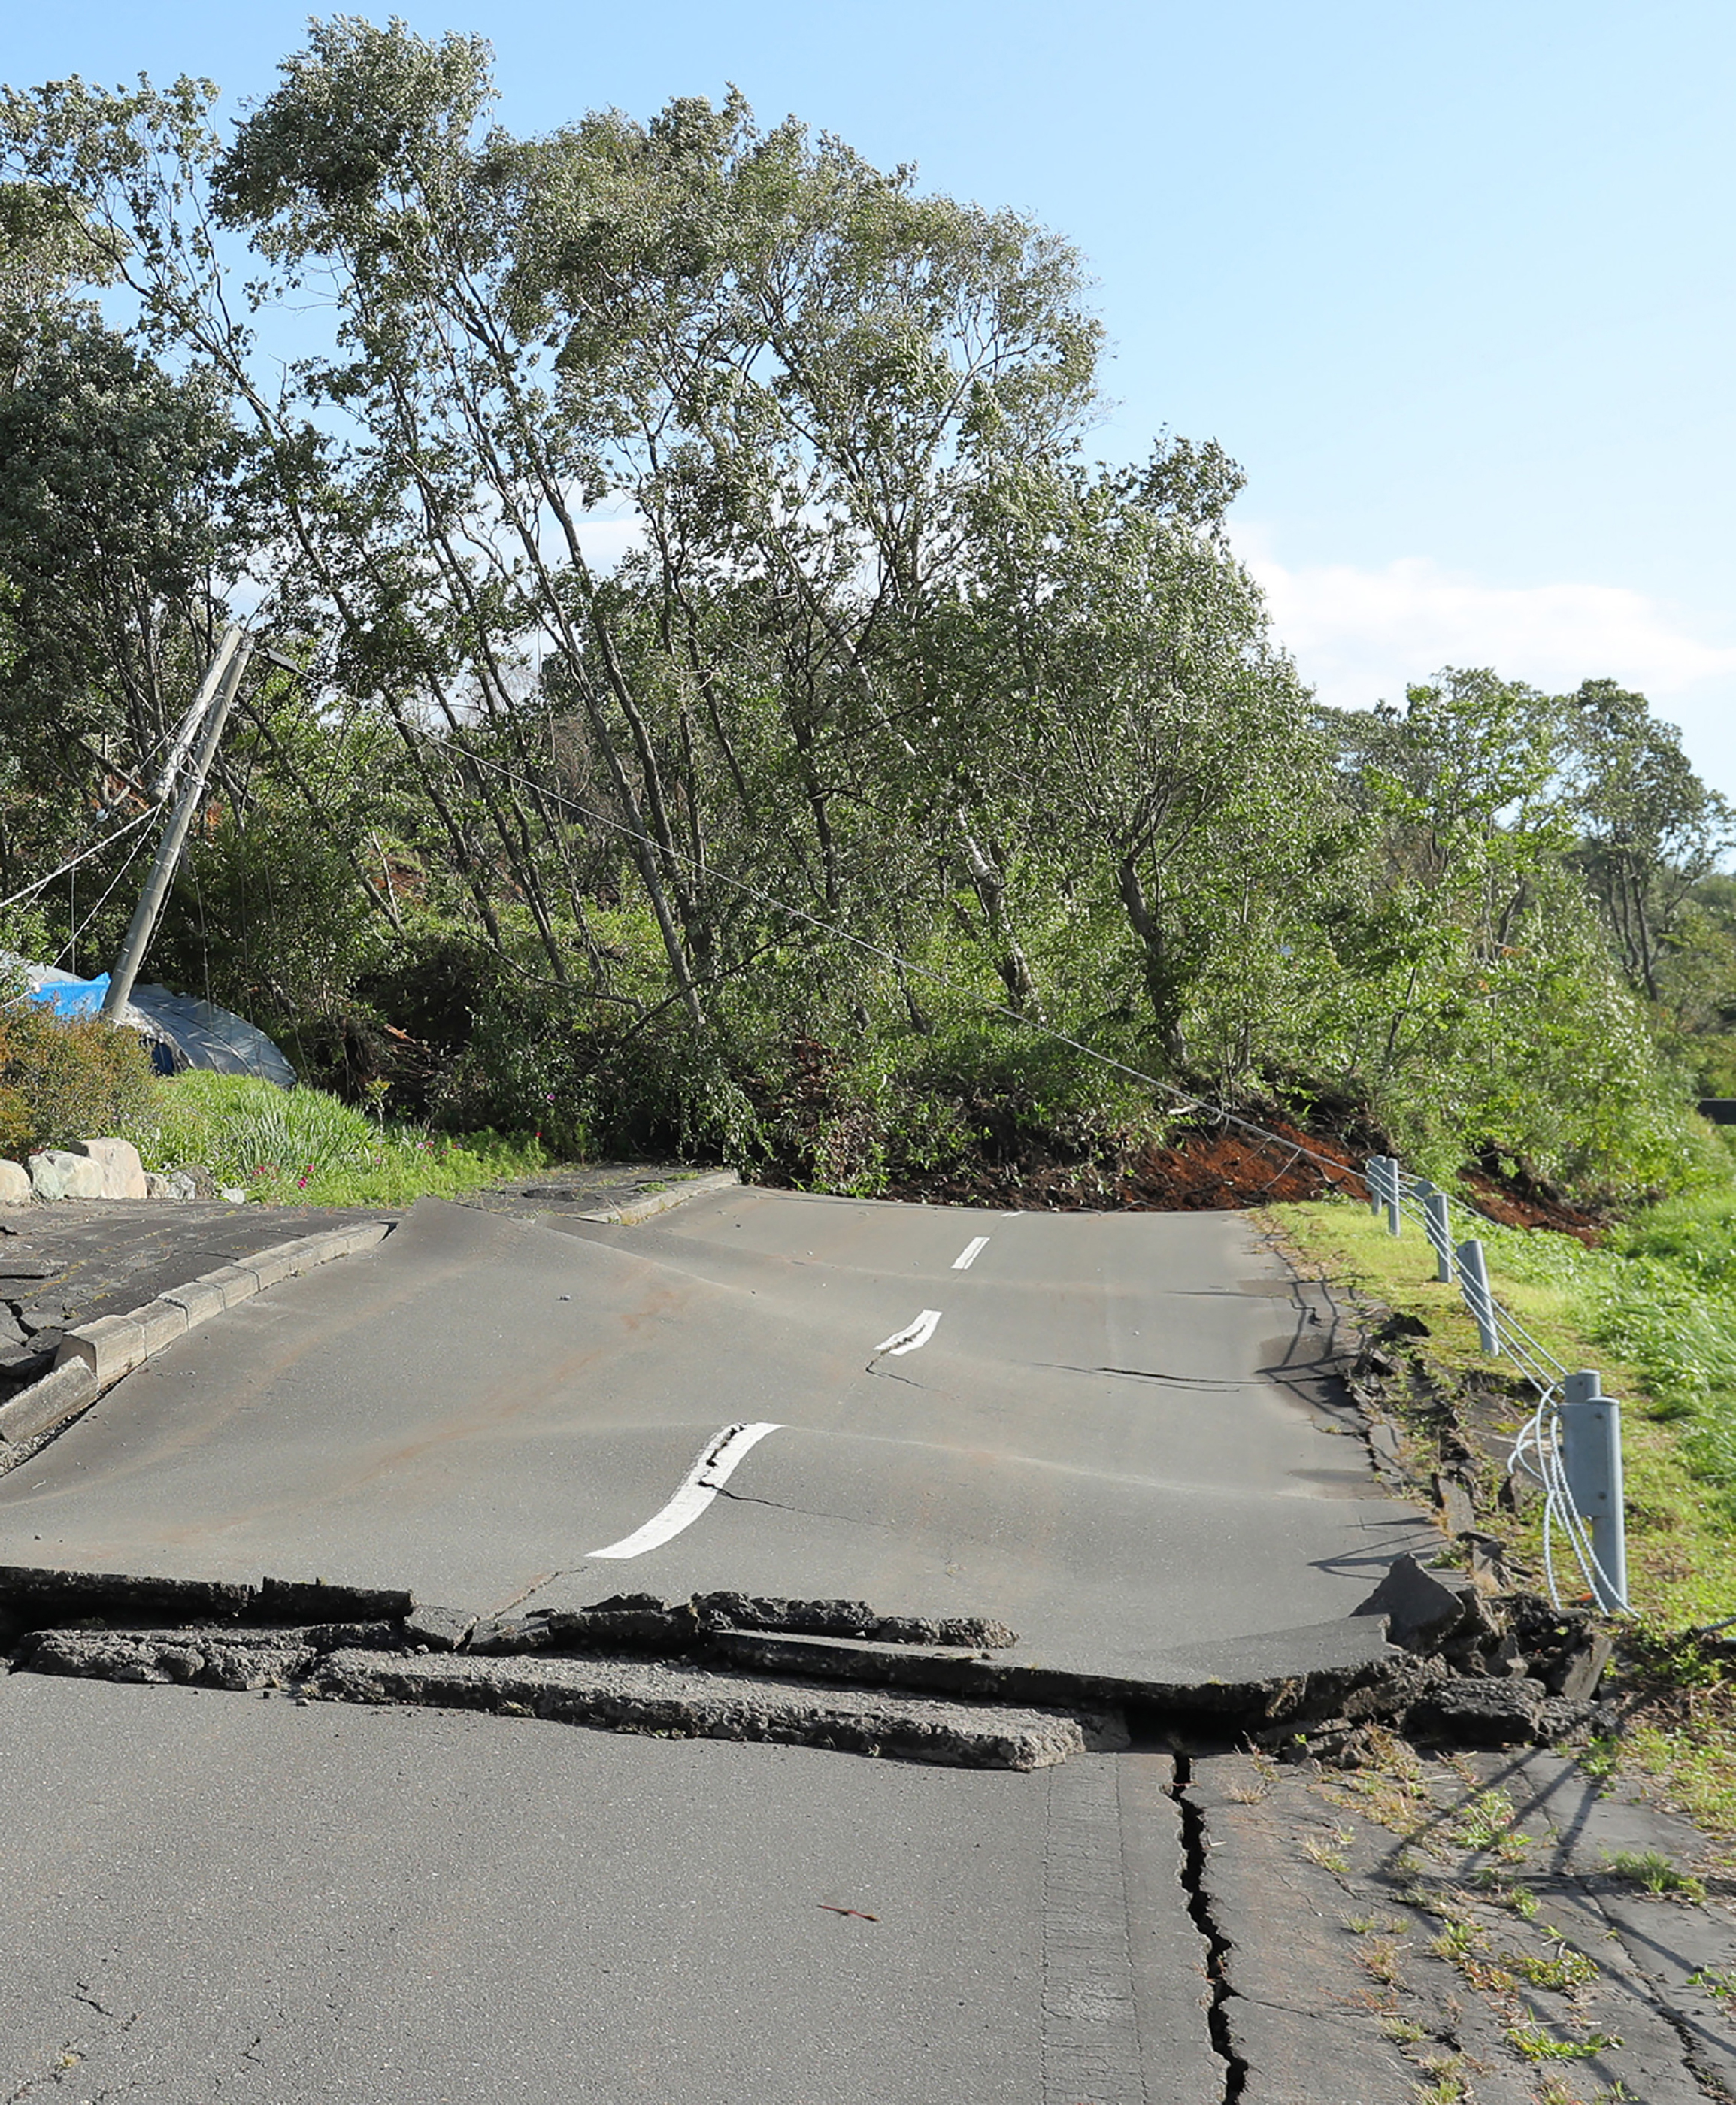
[725,681]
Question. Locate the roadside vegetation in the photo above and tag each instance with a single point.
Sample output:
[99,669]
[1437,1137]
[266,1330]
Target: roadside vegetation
[901,731]
[303,1147]
[1653,1306]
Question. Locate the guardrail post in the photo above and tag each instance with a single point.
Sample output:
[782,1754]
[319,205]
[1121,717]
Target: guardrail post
[1386,1188]
[1438,1227]
[1592,1455]
[1473,1283]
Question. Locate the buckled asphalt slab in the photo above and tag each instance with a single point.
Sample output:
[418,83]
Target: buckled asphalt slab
[475,1408]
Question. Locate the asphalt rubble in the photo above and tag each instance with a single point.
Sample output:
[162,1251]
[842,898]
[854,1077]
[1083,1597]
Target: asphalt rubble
[825,1672]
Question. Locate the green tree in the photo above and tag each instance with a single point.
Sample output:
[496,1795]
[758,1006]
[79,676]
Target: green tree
[1650,830]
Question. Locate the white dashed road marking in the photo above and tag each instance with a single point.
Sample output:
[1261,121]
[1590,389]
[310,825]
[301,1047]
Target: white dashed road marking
[971,1252]
[913,1336]
[698,1487]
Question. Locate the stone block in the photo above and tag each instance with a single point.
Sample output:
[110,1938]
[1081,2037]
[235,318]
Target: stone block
[441,1629]
[1488,1711]
[162,1323]
[61,1394]
[235,1282]
[282,1261]
[111,1347]
[14,1184]
[1576,1675]
[123,1172]
[59,1173]
[198,1301]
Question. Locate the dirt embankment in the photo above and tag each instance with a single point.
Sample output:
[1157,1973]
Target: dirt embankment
[1206,1171]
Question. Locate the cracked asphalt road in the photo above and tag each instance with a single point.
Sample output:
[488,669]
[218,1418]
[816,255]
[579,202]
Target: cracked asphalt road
[1116,1434]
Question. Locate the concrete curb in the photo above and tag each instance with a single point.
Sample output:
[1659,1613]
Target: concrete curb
[95,1356]
[660,1202]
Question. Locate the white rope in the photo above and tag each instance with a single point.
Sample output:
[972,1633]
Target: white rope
[1540,1437]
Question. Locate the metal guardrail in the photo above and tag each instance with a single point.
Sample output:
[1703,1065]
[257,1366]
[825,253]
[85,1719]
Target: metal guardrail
[1570,1445]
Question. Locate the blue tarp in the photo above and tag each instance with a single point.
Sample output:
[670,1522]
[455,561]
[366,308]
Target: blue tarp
[179,1031]
[67,996]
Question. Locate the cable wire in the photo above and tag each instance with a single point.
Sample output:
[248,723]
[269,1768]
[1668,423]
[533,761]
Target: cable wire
[119,834]
[70,945]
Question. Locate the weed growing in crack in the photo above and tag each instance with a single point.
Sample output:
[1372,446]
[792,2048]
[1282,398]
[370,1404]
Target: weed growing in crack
[1488,1823]
[1652,1871]
[1564,1971]
[1536,2044]
[1601,1755]
[1502,1892]
[1462,1944]
[1447,2085]
[1719,1981]
[1330,1855]
[1553,2090]
[1253,1789]
[1404,2032]
[1381,1958]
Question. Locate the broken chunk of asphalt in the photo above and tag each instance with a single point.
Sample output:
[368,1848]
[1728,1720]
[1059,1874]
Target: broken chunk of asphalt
[33,1599]
[643,1621]
[353,1664]
[1496,1675]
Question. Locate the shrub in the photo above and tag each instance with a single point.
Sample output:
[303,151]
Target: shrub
[61,1081]
[244,1130]
[303,1147]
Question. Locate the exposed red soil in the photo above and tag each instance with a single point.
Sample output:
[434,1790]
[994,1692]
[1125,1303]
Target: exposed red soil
[1219,1169]
[1516,1204]
[1205,1172]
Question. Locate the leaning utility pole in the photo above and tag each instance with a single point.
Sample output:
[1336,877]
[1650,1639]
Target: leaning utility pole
[216,694]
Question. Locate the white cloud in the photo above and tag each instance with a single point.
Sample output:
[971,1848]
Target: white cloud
[606,538]
[1360,636]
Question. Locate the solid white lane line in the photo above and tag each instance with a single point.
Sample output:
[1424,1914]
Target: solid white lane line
[698,1487]
[912,1337]
[968,1255]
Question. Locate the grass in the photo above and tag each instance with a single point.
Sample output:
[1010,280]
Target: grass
[1681,1547]
[1653,1873]
[1487,1823]
[1536,2044]
[303,1147]
[1564,1971]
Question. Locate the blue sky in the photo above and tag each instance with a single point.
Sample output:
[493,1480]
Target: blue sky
[1453,284]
